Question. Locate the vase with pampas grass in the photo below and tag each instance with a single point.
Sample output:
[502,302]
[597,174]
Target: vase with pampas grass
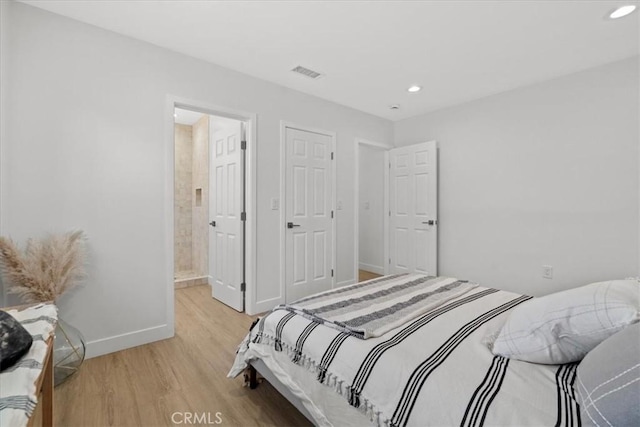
[42,272]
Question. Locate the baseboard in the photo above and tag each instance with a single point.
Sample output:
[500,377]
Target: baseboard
[195,281]
[345,283]
[370,267]
[264,306]
[131,339]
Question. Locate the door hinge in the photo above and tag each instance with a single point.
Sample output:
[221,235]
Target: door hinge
[243,287]
[332,272]
[331,214]
[243,216]
[243,145]
[389,213]
[332,155]
[389,260]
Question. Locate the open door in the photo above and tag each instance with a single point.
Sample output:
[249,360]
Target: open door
[413,215]
[226,212]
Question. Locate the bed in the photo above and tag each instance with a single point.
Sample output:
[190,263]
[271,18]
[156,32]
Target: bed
[434,369]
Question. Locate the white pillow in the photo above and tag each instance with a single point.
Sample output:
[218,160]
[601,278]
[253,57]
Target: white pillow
[563,327]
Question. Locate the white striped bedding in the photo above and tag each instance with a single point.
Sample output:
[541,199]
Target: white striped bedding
[434,370]
[18,394]
[371,308]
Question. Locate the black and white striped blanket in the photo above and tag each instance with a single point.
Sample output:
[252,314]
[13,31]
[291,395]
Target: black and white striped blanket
[18,394]
[371,308]
[434,370]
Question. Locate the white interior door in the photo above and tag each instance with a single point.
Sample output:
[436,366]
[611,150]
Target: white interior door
[413,218]
[226,201]
[308,213]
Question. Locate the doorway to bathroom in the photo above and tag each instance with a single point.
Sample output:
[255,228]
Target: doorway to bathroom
[210,203]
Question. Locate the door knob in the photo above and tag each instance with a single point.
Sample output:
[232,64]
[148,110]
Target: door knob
[212,223]
[430,222]
[291,225]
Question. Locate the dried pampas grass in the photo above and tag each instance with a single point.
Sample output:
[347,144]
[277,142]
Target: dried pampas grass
[46,269]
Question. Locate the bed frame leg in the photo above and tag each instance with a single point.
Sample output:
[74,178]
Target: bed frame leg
[253,378]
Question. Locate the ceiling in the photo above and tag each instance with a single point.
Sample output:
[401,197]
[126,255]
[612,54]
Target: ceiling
[372,51]
[189,118]
[186,117]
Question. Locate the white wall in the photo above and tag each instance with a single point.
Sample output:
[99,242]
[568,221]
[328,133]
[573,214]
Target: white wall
[83,146]
[543,175]
[4,50]
[371,209]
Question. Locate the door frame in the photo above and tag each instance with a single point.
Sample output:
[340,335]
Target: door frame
[173,102]
[356,228]
[284,125]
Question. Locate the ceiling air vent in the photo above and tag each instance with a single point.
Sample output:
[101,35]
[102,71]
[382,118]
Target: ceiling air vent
[307,72]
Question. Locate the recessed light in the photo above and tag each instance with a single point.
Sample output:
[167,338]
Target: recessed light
[622,11]
[414,88]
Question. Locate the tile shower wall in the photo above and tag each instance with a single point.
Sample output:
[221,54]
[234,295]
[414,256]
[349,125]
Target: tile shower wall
[200,197]
[183,198]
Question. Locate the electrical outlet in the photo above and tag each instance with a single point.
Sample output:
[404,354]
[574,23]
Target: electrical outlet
[547,272]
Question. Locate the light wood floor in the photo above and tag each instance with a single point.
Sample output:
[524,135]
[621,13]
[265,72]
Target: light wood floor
[366,275]
[144,386]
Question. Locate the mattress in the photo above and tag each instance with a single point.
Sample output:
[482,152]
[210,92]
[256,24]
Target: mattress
[435,370]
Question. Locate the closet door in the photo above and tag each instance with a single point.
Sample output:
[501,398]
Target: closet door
[309,239]
[413,216]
